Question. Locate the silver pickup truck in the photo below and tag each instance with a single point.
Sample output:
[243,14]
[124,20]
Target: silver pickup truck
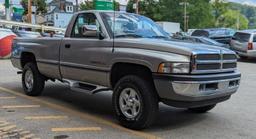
[134,57]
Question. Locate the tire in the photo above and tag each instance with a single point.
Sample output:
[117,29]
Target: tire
[147,108]
[32,81]
[203,109]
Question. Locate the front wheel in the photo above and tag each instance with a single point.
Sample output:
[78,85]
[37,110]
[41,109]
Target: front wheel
[202,109]
[135,102]
[32,81]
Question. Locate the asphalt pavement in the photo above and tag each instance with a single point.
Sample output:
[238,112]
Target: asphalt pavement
[64,114]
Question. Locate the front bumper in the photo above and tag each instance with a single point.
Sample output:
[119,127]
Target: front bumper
[196,90]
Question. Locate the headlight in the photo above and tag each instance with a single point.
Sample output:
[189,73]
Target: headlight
[174,68]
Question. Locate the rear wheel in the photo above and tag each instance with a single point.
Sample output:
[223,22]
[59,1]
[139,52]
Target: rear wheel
[203,109]
[32,81]
[135,102]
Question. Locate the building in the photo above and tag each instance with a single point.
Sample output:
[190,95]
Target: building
[59,13]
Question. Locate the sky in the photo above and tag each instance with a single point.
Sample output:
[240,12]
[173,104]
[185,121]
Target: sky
[248,2]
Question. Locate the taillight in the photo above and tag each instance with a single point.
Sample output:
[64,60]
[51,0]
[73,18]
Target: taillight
[250,46]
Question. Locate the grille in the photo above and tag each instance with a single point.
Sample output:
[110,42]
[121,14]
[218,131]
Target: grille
[229,65]
[229,57]
[208,66]
[214,63]
[208,57]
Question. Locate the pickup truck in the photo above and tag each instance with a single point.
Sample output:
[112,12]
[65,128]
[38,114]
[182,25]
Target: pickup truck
[131,55]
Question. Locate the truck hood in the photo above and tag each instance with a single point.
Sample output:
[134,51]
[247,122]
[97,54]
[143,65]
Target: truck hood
[167,45]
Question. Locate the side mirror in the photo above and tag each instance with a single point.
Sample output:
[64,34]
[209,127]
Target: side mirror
[89,30]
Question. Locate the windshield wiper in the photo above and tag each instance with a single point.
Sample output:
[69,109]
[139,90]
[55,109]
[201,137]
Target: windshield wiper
[159,37]
[128,35]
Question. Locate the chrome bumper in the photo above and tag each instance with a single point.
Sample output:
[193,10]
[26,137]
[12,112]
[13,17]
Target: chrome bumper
[191,88]
[205,88]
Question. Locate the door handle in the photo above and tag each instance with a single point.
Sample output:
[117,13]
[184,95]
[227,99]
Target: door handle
[67,45]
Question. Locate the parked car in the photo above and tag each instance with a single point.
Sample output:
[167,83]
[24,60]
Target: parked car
[131,55]
[6,39]
[204,40]
[53,35]
[221,35]
[28,34]
[244,43]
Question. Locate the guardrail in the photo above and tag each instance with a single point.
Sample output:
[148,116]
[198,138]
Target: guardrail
[42,27]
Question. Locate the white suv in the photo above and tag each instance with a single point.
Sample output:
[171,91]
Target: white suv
[244,43]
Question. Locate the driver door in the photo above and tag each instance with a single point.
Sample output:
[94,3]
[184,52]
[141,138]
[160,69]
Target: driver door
[84,58]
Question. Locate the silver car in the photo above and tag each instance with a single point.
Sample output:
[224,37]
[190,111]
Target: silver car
[244,43]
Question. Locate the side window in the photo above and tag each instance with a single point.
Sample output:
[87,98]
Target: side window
[88,19]
[254,38]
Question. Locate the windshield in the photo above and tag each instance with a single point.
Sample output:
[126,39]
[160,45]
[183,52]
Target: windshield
[131,25]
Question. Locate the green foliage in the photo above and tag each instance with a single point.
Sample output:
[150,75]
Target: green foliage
[86,5]
[248,11]
[41,5]
[219,7]
[172,10]
[232,19]
[200,14]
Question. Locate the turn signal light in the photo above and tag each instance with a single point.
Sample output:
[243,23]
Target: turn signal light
[250,46]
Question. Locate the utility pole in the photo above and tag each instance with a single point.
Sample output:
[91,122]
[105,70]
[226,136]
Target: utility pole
[29,11]
[76,5]
[238,23]
[185,3]
[137,6]
[7,9]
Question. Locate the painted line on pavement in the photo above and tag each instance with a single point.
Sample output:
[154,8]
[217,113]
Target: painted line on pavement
[45,117]
[76,129]
[19,106]
[82,115]
[1,98]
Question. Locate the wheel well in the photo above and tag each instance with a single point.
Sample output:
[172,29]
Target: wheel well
[27,57]
[119,70]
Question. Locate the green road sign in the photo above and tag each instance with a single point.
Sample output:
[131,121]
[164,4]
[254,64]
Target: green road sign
[18,10]
[7,3]
[104,4]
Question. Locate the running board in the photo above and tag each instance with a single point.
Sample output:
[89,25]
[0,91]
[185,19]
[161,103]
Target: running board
[85,87]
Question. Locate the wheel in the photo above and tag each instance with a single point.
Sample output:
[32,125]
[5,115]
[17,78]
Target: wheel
[135,102]
[32,80]
[203,109]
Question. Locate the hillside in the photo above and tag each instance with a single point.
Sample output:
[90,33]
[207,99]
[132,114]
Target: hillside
[248,11]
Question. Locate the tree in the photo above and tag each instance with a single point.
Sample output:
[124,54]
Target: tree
[173,11]
[41,5]
[232,19]
[219,7]
[87,5]
[200,14]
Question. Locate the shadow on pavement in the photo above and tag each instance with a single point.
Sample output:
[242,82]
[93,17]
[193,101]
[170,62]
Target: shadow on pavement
[101,105]
[247,60]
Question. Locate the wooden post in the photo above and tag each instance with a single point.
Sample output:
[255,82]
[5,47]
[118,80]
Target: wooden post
[137,6]
[29,11]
